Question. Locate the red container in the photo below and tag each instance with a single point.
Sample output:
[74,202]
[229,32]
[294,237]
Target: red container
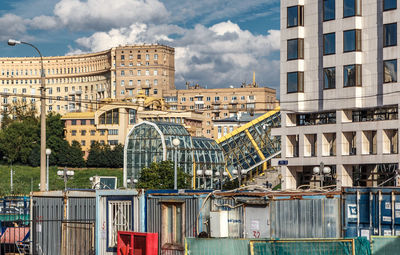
[135,243]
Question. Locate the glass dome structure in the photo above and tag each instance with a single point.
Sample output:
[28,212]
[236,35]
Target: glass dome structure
[149,142]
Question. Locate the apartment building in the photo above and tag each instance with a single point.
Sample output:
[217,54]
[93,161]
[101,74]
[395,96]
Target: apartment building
[77,83]
[339,92]
[111,123]
[220,103]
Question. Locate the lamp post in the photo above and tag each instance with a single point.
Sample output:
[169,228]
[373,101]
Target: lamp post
[176,143]
[209,173]
[11,174]
[65,175]
[132,181]
[321,171]
[12,42]
[199,173]
[239,173]
[48,152]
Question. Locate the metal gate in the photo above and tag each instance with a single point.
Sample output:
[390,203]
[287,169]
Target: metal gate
[77,238]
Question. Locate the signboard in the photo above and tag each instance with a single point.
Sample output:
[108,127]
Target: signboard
[283,162]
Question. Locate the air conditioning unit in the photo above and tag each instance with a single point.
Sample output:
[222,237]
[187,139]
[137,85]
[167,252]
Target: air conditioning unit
[104,182]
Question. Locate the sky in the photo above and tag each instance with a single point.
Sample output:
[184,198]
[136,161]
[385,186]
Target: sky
[218,43]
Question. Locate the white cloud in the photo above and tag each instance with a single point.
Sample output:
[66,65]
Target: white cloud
[106,14]
[216,56]
[12,26]
[44,22]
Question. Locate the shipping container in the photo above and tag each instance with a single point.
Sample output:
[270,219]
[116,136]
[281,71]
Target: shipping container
[55,219]
[117,210]
[175,215]
[371,211]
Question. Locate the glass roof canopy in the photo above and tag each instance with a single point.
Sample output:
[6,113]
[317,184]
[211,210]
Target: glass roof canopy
[252,145]
[149,142]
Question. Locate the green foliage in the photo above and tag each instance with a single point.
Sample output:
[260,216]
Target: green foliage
[161,176]
[24,176]
[104,156]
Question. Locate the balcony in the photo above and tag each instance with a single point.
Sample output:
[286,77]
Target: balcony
[216,102]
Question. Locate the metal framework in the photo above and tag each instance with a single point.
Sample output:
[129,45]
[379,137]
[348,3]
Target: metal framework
[149,142]
[252,145]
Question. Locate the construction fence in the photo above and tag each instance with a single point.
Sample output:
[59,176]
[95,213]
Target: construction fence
[228,246]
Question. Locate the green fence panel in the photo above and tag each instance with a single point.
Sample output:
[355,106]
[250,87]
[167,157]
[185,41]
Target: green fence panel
[385,245]
[217,246]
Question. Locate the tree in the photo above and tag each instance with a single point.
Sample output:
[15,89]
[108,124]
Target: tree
[161,176]
[105,156]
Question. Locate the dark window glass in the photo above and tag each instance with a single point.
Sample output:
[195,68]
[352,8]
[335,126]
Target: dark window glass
[389,4]
[352,75]
[329,78]
[390,34]
[352,40]
[329,10]
[351,8]
[329,44]
[295,16]
[295,82]
[390,70]
[295,48]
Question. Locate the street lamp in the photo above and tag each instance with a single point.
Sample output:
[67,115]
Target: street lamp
[322,171]
[65,175]
[12,172]
[209,173]
[132,181]
[12,42]
[176,143]
[239,173]
[199,173]
[48,152]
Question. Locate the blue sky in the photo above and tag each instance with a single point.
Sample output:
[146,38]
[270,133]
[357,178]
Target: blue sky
[218,42]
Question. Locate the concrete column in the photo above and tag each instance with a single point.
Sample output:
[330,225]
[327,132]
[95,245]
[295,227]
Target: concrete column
[289,177]
[344,176]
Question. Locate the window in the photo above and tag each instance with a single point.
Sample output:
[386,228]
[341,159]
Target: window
[119,216]
[389,5]
[73,122]
[351,8]
[295,49]
[155,92]
[295,16]
[91,122]
[352,40]
[73,132]
[92,132]
[329,44]
[390,70]
[122,73]
[295,82]
[155,56]
[329,10]
[352,75]
[390,34]
[172,235]
[113,132]
[83,142]
[83,122]
[329,78]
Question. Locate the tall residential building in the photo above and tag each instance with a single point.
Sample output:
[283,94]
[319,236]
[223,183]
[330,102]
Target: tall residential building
[221,103]
[77,83]
[339,92]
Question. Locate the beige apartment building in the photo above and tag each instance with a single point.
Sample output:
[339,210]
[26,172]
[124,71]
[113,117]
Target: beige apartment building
[81,83]
[77,83]
[221,103]
[111,123]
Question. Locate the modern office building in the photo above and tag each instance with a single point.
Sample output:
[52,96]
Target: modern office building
[77,83]
[339,92]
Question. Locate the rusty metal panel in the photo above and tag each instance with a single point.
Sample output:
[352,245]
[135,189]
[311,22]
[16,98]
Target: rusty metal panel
[77,238]
[306,218]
